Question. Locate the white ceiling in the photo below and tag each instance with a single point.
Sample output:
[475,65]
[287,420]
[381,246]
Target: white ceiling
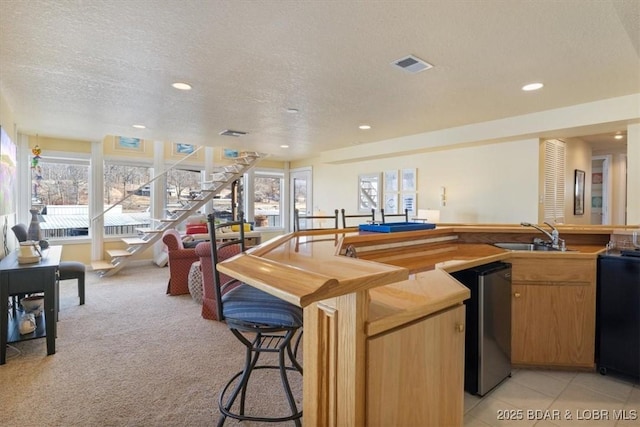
[83,69]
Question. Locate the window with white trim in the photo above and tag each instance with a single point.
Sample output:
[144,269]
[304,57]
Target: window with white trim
[266,203]
[60,192]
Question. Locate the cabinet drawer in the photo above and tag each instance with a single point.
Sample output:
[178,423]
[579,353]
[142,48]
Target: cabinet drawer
[555,271]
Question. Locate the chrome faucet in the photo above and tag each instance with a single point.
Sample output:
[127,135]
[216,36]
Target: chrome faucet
[554,236]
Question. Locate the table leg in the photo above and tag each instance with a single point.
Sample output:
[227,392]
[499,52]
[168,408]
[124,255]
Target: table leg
[4,317]
[50,315]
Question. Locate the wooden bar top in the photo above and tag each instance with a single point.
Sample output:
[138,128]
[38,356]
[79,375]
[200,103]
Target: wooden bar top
[303,269]
[307,267]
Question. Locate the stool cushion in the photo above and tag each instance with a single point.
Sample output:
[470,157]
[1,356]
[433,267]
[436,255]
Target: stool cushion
[71,270]
[248,304]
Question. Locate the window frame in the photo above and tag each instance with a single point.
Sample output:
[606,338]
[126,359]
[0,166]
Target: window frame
[249,202]
[65,158]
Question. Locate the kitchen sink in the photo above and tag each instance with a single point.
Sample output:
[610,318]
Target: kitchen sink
[516,246]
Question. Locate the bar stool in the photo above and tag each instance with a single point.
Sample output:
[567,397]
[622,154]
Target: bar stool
[262,322]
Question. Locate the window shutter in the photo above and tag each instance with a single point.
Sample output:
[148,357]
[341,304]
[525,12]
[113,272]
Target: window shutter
[554,180]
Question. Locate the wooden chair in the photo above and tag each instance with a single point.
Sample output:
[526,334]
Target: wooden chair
[262,322]
[368,217]
[405,216]
[297,219]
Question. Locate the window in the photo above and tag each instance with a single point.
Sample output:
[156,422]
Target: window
[182,185]
[267,199]
[60,192]
[126,184]
[554,180]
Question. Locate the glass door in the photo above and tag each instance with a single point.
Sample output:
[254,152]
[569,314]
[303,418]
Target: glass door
[301,193]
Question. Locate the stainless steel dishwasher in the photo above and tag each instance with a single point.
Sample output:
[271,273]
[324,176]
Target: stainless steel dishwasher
[488,331]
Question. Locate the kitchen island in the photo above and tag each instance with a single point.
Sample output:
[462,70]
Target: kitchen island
[384,327]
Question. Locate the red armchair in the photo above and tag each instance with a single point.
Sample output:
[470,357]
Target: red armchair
[203,250]
[180,260]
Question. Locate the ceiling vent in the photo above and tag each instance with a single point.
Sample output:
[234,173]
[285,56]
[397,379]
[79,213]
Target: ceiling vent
[412,64]
[235,133]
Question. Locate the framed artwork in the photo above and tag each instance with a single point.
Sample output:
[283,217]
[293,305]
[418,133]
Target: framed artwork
[123,143]
[182,149]
[409,180]
[8,174]
[228,153]
[409,202]
[596,202]
[391,203]
[596,178]
[578,193]
[391,182]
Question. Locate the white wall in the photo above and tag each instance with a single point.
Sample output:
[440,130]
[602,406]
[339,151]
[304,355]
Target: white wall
[578,157]
[490,169]
[494,183]
[633,173]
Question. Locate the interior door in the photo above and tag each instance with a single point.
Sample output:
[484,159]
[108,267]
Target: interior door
[301,192]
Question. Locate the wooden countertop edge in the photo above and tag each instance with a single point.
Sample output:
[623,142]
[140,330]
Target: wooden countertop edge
[400,303]
[388,310]
[302,287]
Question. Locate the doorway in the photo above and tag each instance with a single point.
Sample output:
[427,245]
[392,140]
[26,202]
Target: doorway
[601,190]
[301,186]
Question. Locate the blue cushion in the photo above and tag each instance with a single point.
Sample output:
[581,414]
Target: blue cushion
[248,304]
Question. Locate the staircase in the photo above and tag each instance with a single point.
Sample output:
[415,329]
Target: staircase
[223,177]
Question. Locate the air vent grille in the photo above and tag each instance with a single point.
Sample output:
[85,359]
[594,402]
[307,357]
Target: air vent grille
[412,64]
[229,132]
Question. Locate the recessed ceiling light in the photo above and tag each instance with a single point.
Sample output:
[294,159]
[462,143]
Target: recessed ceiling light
[181,86]
[139,126]
[532,86]
[618,136]
[284,146]
[292,110]
[364,127]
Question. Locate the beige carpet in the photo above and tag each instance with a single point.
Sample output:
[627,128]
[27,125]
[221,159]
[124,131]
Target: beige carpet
[131,356]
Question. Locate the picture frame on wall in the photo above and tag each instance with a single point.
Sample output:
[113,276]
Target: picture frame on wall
[410,203]
[391,203]
[409,180]
[124,143]
[228,153]
[578,194]
[183,149]
[391,182]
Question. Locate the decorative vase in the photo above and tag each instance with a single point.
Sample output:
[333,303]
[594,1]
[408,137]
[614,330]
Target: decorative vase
[34,233]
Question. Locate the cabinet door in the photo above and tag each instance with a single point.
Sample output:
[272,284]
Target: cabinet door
[415,374]
[553,325]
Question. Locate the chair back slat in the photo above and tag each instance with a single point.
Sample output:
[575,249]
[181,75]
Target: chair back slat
[222,251]
[297,219]
[371,217]
[405,216]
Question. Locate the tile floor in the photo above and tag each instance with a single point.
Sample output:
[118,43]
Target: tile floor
[544,398]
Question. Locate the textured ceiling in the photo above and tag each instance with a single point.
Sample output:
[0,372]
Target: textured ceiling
[83,69]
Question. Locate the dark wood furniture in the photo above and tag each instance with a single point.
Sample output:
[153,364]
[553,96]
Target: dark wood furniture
[16,278]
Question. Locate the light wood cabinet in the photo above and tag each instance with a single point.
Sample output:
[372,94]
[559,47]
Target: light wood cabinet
[415,375]
[553,312]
